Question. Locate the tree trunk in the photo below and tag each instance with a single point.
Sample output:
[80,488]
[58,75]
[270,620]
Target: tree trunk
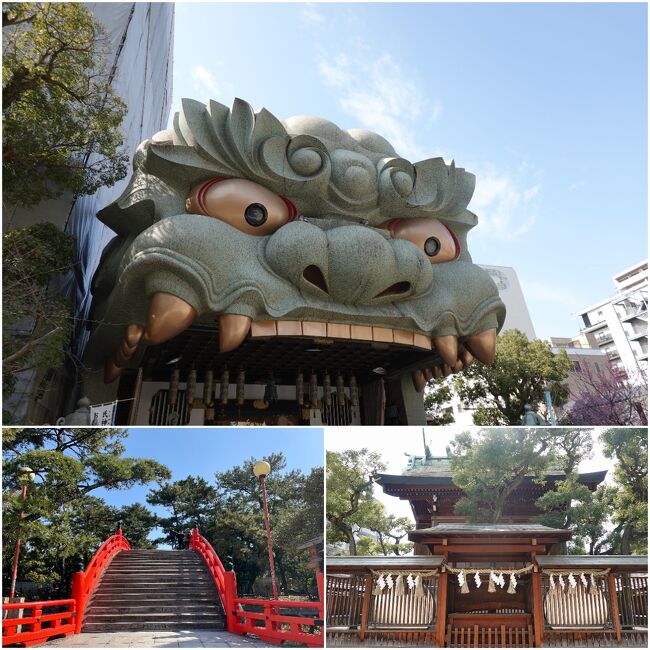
[352,542]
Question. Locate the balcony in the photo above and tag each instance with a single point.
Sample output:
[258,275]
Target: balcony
[612,354]
[603,337]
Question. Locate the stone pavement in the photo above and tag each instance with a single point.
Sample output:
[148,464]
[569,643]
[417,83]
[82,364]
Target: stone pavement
[159,639]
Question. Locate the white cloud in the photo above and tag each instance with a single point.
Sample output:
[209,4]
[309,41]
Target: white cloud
[311,15]
[382,98]
[505,201]
[204,79]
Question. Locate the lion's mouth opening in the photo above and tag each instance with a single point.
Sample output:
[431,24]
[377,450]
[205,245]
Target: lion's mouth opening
[237,341]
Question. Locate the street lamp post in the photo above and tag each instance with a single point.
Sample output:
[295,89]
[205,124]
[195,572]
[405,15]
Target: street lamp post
[261,470]
[25,476]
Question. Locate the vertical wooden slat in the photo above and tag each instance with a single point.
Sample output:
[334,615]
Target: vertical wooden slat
[365,607]
[441,614]
[538,613]
[614,601]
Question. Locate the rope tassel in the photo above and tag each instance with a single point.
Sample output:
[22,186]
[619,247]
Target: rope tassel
[512,587]
[399,586]
[419,588]
[491,587]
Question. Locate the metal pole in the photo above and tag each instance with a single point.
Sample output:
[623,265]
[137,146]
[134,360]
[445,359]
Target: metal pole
[549,405]
[269,544]
[14,571]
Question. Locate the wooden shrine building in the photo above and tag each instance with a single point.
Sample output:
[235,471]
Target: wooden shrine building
[503,584]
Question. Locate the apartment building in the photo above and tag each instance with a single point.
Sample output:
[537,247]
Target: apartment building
[619,325]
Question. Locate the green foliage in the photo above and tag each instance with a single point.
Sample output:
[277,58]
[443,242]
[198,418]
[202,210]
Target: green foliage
[350,477]
[521,371]
[491,464]
[230,515]
[61,120]
[629,447]
[437,394]
[64,523]
[36,321]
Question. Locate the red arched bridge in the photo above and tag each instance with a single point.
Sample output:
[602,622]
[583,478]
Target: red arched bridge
[129,590]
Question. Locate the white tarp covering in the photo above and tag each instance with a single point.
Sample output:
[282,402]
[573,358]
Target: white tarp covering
[140,37]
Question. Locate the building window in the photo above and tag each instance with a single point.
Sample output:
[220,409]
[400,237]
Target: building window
[576,366]
[597,367]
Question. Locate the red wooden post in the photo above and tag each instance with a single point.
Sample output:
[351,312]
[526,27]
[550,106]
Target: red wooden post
[441,613]
[78,595]
[320,579]
[367,592]
[614,600]
[230,582]
[538,613]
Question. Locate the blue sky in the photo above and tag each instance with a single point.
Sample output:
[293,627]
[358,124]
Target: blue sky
[545,103]
[202,452]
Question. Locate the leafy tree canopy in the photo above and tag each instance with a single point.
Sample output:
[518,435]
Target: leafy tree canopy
[350,478]
[36,322]
[521,371]
[64,522]
[61,118]
[491,464]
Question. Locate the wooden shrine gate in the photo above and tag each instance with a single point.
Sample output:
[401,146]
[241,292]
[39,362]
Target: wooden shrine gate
[273,621]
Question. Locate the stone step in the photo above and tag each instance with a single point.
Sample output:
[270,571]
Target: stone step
[203,590]
[124,596]
[157,607]
[149,617]
[150,626]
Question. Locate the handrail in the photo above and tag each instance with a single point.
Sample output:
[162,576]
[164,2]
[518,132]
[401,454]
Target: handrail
[225,581]
[84,582]
[60,623]
[273,627]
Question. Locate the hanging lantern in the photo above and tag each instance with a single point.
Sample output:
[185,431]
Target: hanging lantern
[313,390]
[172,393]
[300,389]
[241,387]
[327,389]
[225,386]
[190,390]
[208,397]
[354,391]
[340,390]
[271,391]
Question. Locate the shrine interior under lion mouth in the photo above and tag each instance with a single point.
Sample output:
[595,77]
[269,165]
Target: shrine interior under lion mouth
[284,372]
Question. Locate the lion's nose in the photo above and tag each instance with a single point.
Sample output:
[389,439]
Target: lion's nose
[348,264]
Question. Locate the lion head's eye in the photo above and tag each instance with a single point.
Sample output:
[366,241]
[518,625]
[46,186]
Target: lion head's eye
[245,205]
[430,235]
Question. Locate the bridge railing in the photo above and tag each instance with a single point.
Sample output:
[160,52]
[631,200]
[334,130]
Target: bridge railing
[84,582]
[273,621]
[36,623]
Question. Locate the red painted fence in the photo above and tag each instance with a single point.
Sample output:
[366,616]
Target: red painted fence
[41,626]
[270,624]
